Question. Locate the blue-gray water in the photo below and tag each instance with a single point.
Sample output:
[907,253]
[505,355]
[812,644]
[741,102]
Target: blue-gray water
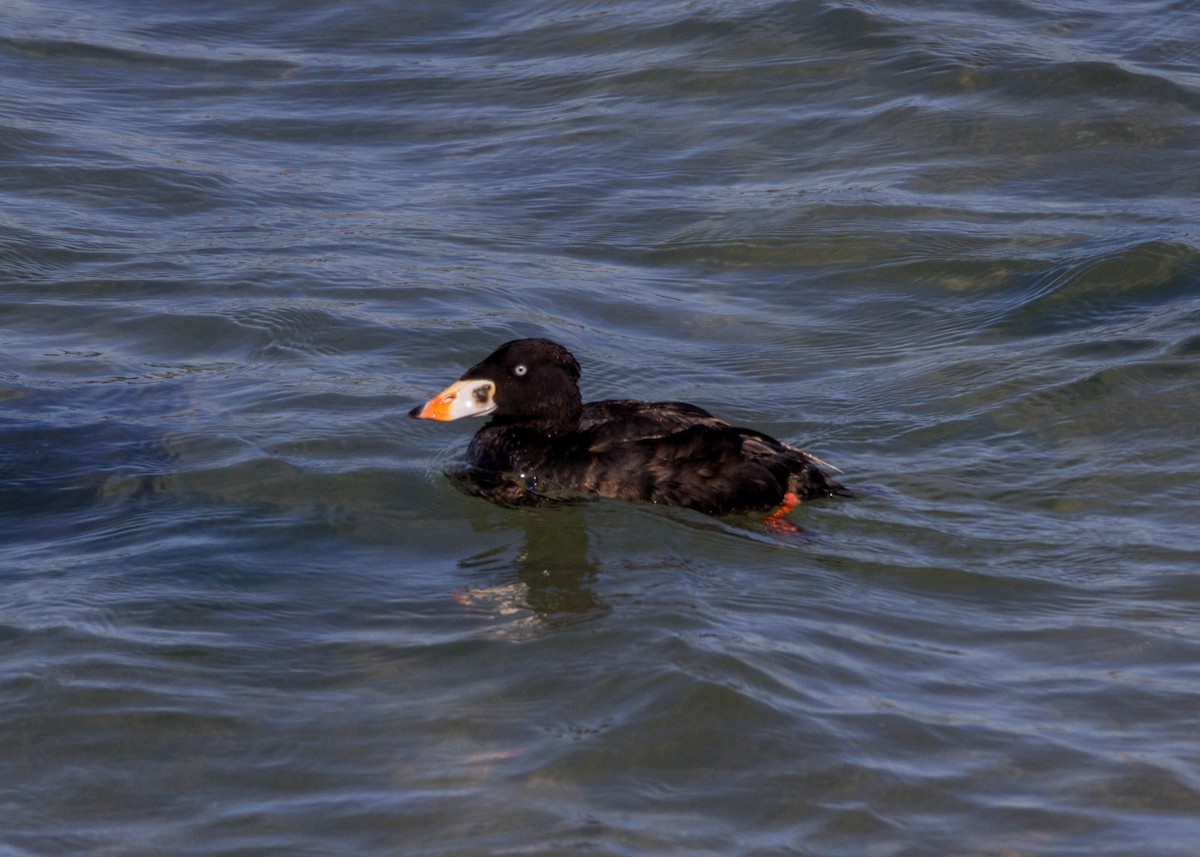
[951,247]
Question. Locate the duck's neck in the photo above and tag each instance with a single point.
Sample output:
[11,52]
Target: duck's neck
[554,416]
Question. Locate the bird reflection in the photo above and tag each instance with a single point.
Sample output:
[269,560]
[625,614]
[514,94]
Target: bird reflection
[553,574]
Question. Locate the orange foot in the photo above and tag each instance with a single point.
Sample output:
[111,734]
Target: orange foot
[776,520]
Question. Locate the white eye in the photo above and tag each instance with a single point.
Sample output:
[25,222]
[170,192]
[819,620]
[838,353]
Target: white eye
[519,369]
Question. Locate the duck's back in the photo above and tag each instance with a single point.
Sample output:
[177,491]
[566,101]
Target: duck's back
[620,420]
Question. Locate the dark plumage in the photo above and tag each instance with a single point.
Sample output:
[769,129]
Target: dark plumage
[542,442]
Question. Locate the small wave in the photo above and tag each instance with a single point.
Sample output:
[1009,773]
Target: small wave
[1097,289]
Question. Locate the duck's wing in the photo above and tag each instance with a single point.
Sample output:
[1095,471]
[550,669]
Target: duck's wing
[763,444]
[623,420]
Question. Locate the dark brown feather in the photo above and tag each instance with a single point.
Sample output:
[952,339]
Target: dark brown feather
[543,444]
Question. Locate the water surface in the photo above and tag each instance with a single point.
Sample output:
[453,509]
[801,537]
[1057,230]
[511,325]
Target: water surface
[950,247]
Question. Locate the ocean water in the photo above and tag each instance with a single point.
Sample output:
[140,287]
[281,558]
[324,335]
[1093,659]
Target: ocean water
[951,247]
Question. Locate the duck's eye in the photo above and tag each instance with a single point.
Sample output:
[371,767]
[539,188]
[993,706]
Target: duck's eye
[519,369]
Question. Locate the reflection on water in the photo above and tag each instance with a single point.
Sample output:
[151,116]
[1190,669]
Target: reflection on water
[550,565]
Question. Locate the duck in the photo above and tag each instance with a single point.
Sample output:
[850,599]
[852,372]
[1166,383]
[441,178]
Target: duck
[543,443]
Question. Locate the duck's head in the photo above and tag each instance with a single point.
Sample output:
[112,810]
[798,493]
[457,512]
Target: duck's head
[532,382]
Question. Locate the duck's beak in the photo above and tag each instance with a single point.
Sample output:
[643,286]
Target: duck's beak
[465,398]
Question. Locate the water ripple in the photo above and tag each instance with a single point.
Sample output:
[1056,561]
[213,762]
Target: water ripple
[950,248]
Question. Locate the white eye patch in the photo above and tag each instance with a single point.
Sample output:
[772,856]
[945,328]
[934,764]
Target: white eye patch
[519,369]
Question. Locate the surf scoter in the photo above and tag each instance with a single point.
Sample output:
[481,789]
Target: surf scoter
[543,442]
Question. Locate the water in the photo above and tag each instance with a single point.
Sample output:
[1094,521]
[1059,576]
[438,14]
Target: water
[950,247]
